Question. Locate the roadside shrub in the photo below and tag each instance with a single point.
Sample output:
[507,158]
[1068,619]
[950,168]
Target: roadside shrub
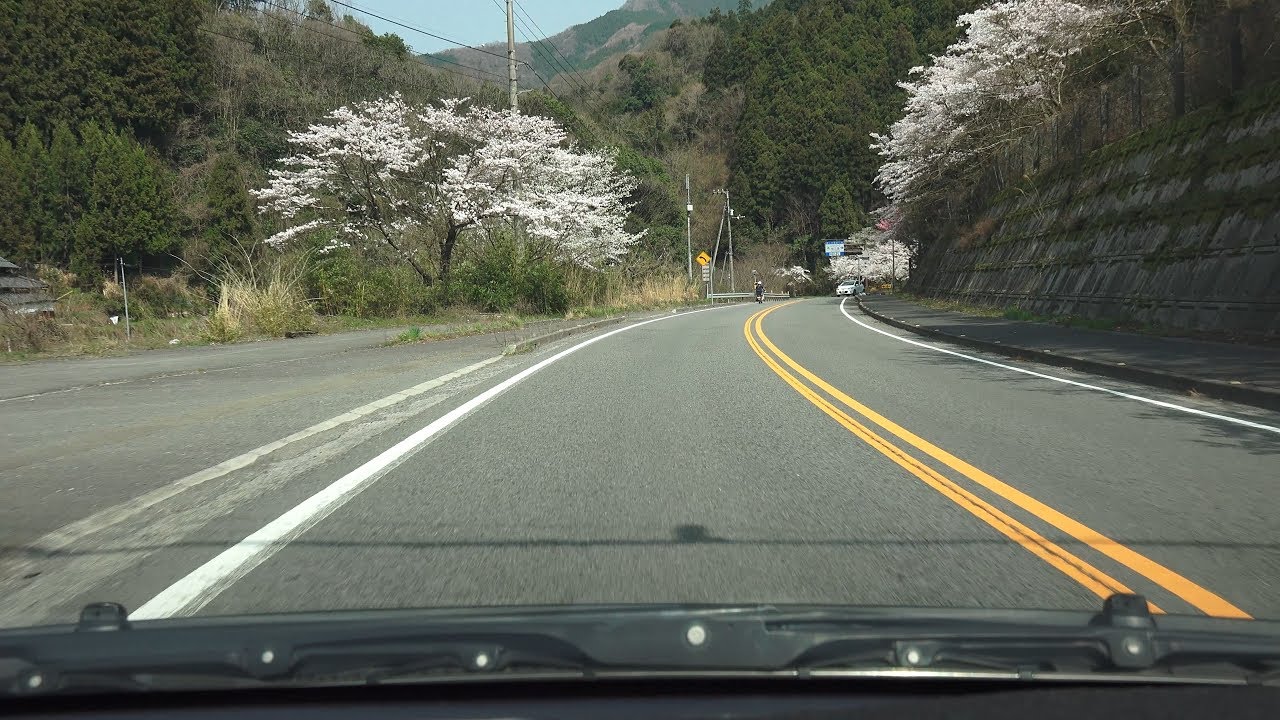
[163,297]
[615,290]
[30,332]
[490,282]
[543,289]
[346,284]
[222,325]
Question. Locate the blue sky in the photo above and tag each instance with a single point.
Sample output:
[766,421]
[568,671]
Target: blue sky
[471,21]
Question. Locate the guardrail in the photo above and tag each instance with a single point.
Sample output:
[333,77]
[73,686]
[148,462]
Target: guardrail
[745,296]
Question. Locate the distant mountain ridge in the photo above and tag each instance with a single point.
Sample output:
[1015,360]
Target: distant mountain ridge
[582,46]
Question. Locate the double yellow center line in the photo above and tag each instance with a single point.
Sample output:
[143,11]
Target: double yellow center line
[1055,555]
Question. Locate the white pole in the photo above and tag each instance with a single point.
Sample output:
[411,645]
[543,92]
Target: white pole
[729,211]
[711,287]
[688,222]
[128,332]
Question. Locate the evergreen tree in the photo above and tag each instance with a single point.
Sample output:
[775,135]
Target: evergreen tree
[232,216]
[66,185]
[841,217]
[127,213]
[126,62]
[31,160]
[15,232]
[818,77]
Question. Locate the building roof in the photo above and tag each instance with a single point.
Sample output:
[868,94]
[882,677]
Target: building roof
[22,294]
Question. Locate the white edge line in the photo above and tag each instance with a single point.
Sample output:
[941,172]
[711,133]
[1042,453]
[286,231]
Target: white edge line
[202,584]
[1065,381]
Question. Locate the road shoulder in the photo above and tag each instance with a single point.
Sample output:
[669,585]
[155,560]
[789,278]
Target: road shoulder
[1236,374]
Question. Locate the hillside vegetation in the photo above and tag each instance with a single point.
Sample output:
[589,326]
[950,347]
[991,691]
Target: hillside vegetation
[138,129]
[776,105]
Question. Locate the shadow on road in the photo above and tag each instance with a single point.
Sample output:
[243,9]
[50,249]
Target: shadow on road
[681,535]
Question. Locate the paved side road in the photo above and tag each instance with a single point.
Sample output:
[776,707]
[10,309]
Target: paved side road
[787,453]
[42,376]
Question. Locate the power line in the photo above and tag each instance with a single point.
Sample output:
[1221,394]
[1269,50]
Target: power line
[417,30]
[332,66]
[363,36]
[533,47]
[547,39]
[532,69]
[547,57]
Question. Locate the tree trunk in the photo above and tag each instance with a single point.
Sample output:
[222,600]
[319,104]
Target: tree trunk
[1178,78]
[1236,50]
[446,251]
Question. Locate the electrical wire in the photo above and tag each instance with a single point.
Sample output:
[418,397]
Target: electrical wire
[332,66]
[363,36]
[538,47]
[532,69]
[417,30]
[547,40]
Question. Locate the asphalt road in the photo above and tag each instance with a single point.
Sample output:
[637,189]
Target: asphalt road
[790,453]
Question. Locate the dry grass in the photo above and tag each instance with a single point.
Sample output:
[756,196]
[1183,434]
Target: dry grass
[611,293]
[260,301]
[979,231]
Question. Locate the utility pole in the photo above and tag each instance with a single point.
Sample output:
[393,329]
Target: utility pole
[711,286]
[688,222]
[511,56]
[729,211]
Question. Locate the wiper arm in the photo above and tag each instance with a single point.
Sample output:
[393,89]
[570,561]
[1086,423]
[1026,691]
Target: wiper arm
[1123,639]
[384,661]
[362,655]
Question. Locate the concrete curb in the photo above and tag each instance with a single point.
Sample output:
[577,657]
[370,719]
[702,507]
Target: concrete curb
[1257,397]
[526,345]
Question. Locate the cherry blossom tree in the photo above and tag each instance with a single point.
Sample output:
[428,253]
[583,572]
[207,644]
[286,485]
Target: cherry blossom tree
[1010,71]
[885,254]
[391,174]
[796,275]
[365,173]
[571,203]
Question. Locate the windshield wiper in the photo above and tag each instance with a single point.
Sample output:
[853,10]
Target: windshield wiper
[105,651]
[362,656]
[1124,640]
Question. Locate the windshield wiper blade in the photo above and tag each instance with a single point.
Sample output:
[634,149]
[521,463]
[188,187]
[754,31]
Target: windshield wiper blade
[362,654]
[384,661]
[1124,639]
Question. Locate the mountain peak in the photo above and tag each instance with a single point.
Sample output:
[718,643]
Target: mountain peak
[583,46]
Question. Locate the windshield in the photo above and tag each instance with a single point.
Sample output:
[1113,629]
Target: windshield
[311,305]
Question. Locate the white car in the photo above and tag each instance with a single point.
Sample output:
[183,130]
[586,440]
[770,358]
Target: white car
[852,286]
